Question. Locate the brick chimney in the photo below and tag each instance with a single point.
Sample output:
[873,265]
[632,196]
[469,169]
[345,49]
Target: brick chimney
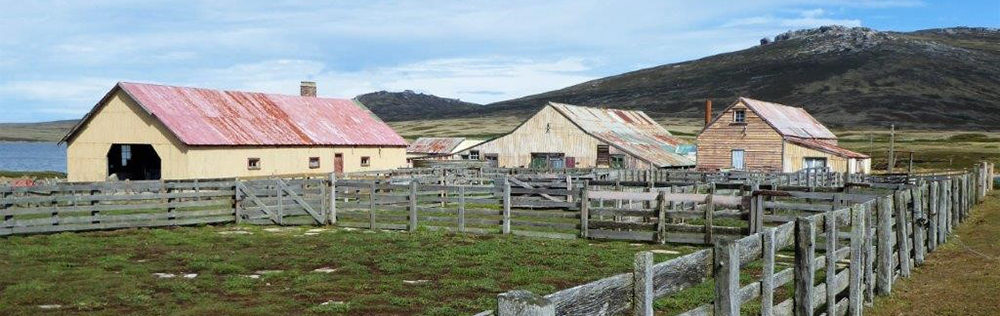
[308,89]
[708,112]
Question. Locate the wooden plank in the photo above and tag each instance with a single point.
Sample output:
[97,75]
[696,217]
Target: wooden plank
[767,272]
[883,273]
[621,235]
[302,203]
[607,296]
[412,226]
[461,209]
[642,290]
[902,234]
[675,275]
[585,210]
[804,266]
[505,226]
[855,298]
[831,262]
[709,212]
[727,278]
[112,197]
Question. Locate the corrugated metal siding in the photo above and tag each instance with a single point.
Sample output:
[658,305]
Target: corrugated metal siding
[204,117]
[434,145]
[825,147]
[631,131]
[789,121]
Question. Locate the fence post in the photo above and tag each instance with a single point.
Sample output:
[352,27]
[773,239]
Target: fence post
[461,208]
[661,218]
[709,213]
[869,245]
[332,214]
[805,270]
[585,209]
[884,272]
[727,278]
[767,279]
[371,205]
[642,291]
[281,202]
[413,206]
[524,303]
[238,202]
[919,219]
[506,207]
[854,298]
[902,234]
[830,225]
[932,216]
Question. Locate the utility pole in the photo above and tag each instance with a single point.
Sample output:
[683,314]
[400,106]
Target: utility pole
[892,147]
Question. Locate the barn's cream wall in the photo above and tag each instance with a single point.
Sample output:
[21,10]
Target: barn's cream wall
[548,131]
[222,162]
[795,154]
[122,121]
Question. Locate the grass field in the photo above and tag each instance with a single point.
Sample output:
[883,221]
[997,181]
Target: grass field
[960,278]
[244,270]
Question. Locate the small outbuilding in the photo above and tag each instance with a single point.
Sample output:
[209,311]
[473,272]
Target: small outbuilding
[442,148]
[764,136]
[147,131]
[568,136]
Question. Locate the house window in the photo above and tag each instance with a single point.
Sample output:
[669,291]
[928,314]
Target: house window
[617,162]
[474,154]
[814,163]
[126,154]
[366,161]
[313,162]
[603,154]
[253,163]
[738,159]
[740,116]
[548,160]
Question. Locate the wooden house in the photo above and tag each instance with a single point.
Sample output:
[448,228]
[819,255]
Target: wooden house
[146,131]
[568,136]
[765,136]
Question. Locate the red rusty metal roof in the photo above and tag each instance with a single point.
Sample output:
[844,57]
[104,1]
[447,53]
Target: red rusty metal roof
[787,120]
[631,131]
[825,147]
[205,117]
[434,145]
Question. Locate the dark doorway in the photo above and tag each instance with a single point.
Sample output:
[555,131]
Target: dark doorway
[338,163]
[133,162]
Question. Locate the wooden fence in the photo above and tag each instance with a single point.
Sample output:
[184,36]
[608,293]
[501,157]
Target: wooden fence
[862,244]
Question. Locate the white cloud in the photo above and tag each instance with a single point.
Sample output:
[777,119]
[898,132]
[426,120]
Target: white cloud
[480,80]
[73,96]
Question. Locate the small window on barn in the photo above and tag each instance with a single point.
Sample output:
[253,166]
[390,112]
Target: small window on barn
[253,163]
[474,154]
[366,161]
[617,162]
[313,162]
[740,116]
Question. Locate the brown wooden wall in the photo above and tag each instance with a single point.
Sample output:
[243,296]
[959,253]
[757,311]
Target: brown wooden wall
[762,145]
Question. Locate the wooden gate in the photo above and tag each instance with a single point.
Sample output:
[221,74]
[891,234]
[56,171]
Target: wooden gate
[281,201]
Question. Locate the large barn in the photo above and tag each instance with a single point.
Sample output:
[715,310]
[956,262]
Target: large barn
[569,136]
[763,136]
[147,131]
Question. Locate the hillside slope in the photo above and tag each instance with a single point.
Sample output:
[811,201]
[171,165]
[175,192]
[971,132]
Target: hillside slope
[409,105]
[846,77]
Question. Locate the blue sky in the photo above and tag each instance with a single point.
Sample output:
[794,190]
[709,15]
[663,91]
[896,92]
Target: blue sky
[57,58]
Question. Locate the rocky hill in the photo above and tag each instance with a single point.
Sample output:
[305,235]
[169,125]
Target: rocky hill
[409,105]
[938,78]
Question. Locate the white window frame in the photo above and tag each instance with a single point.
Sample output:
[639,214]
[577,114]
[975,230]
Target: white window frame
[737,118]
[743,159]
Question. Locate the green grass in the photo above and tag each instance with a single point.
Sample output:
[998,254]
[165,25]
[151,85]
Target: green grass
[33,174]
[112,272]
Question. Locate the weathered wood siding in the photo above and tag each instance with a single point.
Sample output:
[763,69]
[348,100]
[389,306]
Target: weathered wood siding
[795,160]
[548,131]
[761,143]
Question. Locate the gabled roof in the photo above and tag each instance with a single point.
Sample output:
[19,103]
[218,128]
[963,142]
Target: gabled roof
[825,147]
[786,120]
[205,117]
[789,121]
[630,131]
